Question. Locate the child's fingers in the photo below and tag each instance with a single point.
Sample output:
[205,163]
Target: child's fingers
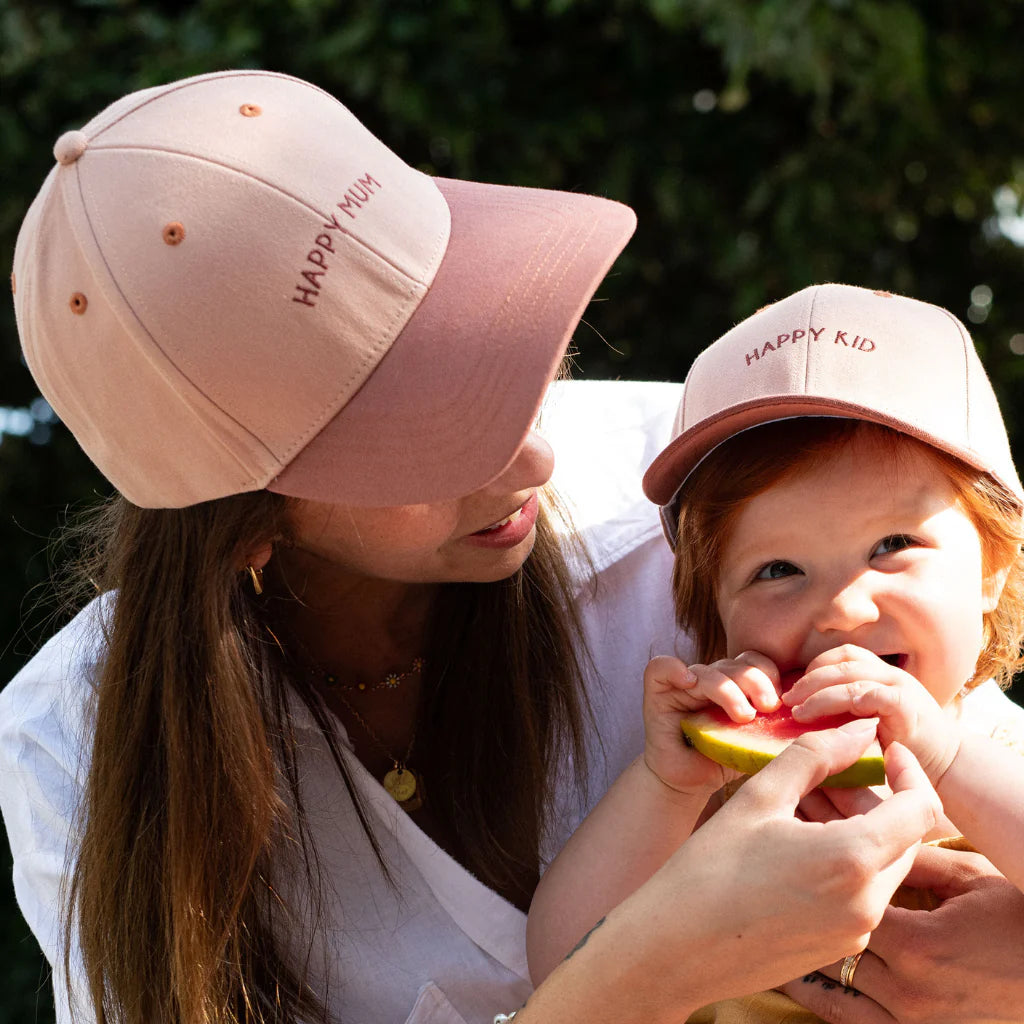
[759,680]
[670,686]
[853,672]
[723,690]
[754,675]
[665,671]
[862,697]
[740,686]
[904,772]
[889,702]
[837,655]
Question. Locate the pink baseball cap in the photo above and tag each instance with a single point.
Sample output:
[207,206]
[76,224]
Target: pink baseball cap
[228,283]
[838,350]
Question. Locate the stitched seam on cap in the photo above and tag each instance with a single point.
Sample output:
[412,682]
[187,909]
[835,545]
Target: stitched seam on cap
[387,337]
[245,173]
[966,340]
[528,296]
[507,312]
[203,80]
[443,236]
[523,296]
[26,323]
[331,409]
[192,371]
[171,362]
[807,347]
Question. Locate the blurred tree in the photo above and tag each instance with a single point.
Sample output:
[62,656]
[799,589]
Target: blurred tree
[765,145]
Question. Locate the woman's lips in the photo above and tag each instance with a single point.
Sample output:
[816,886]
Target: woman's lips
[511,530]
[504,522]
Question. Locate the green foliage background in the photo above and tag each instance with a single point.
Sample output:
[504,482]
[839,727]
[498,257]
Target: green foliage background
[764,146]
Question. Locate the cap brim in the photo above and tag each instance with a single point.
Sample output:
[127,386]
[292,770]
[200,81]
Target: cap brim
[450,404]
[668,473]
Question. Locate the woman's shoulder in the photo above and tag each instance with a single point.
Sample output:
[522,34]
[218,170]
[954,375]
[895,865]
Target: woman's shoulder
[52,690]
[44,751]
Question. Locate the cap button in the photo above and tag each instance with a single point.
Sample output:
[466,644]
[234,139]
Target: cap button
[70,146]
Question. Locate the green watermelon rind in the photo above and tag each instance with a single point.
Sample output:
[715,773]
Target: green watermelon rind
[733,747]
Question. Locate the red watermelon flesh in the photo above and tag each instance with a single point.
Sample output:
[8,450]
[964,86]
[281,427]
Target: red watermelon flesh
[749,746]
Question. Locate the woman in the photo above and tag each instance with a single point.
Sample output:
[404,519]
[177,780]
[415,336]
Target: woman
[334,708]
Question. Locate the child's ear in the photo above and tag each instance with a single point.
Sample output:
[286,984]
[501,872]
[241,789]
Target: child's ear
[992,589]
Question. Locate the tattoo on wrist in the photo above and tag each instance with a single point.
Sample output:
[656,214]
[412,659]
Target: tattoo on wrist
[579,945]
[817,978]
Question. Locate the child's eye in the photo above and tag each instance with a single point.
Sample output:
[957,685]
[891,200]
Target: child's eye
[776,571]
[897,542]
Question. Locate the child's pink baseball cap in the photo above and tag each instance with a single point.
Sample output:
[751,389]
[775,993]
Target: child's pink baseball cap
[838,350]
[228,283]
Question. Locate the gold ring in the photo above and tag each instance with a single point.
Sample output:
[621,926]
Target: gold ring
[847,970]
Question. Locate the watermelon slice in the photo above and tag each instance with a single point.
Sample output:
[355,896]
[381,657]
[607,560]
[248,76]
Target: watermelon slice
[748,746]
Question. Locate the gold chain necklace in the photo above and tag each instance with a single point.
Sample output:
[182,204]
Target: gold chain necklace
[390,682]
[403,784]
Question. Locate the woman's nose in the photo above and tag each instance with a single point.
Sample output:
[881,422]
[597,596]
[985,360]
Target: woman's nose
[847,606]
[532,466]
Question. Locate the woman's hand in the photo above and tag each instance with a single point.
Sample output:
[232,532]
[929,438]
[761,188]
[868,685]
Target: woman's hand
[752,898]
[959,964]
[795,883]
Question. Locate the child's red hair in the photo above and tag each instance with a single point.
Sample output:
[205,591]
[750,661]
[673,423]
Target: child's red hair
[749,463]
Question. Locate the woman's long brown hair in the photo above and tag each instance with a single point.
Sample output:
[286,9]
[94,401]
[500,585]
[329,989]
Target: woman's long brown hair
[192,794]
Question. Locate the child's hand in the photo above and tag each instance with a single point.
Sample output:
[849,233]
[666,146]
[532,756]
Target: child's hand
[853,680]
[742,686]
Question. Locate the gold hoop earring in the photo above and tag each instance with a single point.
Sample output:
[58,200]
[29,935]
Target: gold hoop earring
[256,575]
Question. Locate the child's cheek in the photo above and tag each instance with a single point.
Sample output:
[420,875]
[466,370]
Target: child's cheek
[949,654]
[749,626]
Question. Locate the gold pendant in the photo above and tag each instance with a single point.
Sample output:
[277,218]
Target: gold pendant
[400,783]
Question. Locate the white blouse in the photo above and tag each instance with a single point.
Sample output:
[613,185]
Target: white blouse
[438,945]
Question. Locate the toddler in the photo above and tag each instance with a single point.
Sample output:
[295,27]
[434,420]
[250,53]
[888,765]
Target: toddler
[846,517]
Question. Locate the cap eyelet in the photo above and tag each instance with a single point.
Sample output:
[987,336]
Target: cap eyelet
[174,233]
[884,295]
[250,110]
[79,303]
